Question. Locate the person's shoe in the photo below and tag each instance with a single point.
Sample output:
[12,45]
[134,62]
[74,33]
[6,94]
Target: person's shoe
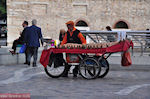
[74,75]
[66,71]
[28,63]
[12,52]
[25,63]
[65,74]
[75,72]
[34,65]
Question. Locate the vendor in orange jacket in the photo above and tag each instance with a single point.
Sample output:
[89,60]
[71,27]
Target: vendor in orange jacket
[73,35]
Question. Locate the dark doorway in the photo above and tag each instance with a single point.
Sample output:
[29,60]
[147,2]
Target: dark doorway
[121,24]
[81,24]
[3,23]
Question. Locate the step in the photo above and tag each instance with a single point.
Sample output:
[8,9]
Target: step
[7,58]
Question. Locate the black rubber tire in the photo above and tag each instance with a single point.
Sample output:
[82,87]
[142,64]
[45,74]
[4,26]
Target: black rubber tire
[88,69]
[53,75]
[103,74]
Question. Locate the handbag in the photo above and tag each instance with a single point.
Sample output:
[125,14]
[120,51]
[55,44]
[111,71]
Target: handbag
[22,49]
[126,59]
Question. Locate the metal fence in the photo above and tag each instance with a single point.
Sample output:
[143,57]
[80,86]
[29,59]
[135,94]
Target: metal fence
[141,39]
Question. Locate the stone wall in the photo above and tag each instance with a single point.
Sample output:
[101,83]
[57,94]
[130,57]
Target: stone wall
[52,14]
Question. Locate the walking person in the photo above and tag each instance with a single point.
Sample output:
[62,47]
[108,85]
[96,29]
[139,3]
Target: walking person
[32,38]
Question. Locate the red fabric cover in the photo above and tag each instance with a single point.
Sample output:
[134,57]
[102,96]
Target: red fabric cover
[44,59]
[79,51]
[126,59]
[121,46]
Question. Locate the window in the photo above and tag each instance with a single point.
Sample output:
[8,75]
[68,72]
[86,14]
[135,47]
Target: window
[121,24]
[81,24]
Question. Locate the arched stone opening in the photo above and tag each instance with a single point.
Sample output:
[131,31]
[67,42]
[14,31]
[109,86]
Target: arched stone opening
[121,25]
[81,23]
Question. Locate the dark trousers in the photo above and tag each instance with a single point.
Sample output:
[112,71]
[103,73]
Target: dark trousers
[32,51]
[26,55]
[75,70]
[15,43]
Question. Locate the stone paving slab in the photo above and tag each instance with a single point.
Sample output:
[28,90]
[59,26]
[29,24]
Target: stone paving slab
[120,83]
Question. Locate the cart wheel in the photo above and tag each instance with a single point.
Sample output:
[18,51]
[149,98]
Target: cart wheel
[104,67]
[55,71]
[89,68]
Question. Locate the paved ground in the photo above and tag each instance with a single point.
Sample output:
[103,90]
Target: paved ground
[120,83]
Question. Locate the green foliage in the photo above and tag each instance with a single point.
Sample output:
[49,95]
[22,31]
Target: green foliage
[2,6]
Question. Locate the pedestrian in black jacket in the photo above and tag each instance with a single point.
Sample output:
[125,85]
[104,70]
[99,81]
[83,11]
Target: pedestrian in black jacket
[20,40]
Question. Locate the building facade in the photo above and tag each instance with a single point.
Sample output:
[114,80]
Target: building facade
[95,14]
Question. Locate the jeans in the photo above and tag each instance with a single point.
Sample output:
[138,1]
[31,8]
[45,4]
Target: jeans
[32,51]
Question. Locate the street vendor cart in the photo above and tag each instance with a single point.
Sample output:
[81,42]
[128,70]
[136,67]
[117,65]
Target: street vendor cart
[92,62]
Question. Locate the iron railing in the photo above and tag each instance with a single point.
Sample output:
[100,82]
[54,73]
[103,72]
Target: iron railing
[141,39]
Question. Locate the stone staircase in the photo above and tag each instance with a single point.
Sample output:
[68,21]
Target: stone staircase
[6,58]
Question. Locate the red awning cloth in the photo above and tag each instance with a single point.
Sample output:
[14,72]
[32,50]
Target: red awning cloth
[121,46]
[44,59]
[79,51]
